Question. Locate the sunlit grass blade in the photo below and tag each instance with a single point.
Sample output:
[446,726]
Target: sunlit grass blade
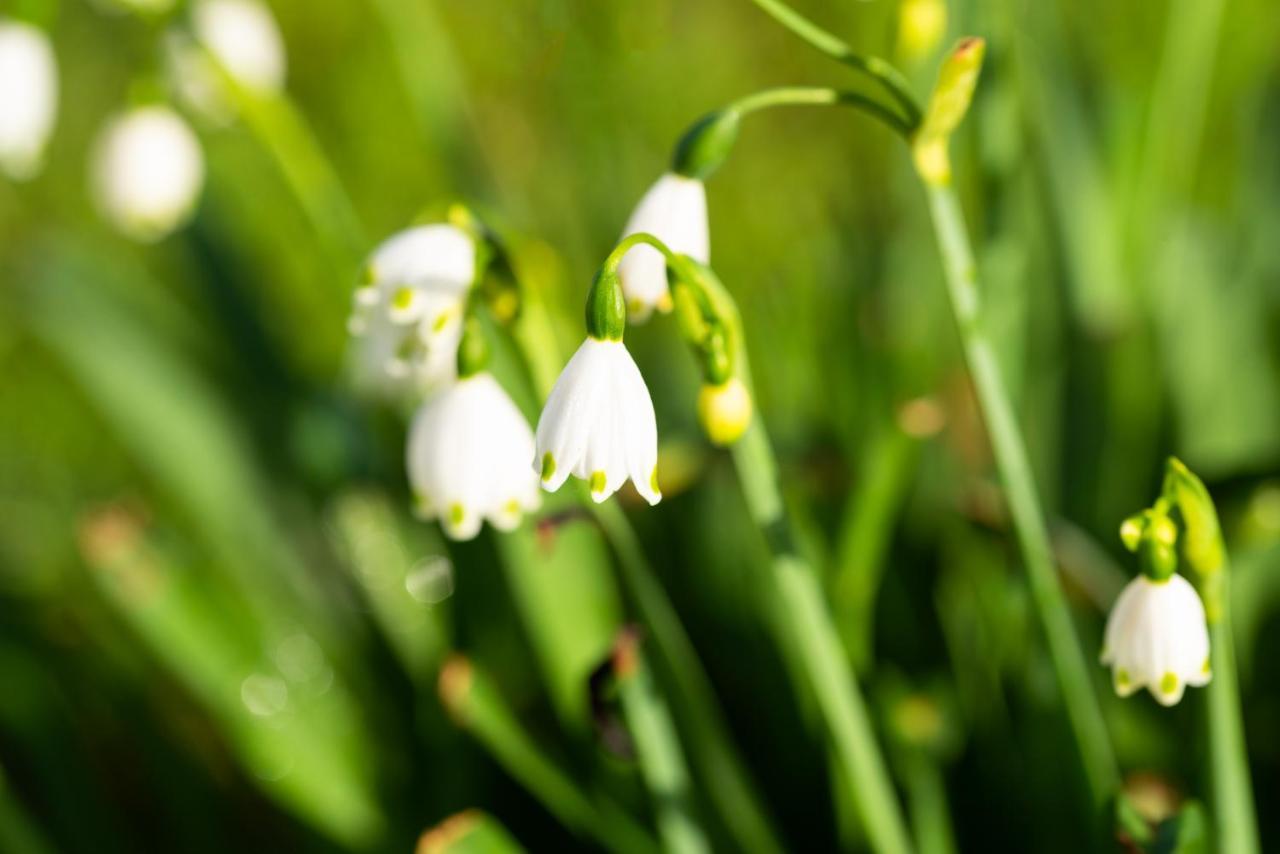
[468,832]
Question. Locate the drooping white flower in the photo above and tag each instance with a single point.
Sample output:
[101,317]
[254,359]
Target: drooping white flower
[408,315]
[1157,638]
[28,98]
[148,171]
[468,458]
[675,211]
[599,424]
[244,38]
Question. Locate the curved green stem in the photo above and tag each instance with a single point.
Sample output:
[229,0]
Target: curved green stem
[1020,492]
[877,69]
[791,96]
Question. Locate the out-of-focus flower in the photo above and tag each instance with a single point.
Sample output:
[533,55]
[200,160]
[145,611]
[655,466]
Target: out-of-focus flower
[468,458]
[408,314]
[148,170]
[675,211]
[599,424]
[921,26]
[28,98]
[1157,638]
[725,410]
[244,38]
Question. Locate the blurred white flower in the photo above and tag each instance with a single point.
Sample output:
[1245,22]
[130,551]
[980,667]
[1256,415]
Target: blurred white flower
[148,170]
[244,38]
[675,211]
[408,316]
[599,425]
[28,98]
[468,458]
[1157,638]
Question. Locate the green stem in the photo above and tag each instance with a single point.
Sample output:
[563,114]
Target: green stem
[658,749]
[930,816]
[818,648]
[1236,824]
[707,732]
[825,42]
[800,96]
[1024,505]
[712,751]
[475,703]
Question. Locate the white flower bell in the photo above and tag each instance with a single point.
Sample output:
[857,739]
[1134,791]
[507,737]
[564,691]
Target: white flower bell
[148,172]
[409,313]
[28,98]
[675,211]
[468,458]
[599,424]
[1157,638]
[244,38]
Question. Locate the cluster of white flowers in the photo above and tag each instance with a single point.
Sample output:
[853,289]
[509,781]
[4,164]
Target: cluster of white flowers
[28,98]
[407,316]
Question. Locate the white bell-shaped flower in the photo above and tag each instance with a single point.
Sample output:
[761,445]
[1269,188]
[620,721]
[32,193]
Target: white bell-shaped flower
[148,171]
[1157,638]
[244,38]
[409,314]
[675,211]
[28,98]
[599,424]
[468,458]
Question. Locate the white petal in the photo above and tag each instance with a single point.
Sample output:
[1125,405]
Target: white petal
[675,211]
[28,97]
[440,255]
[244,38]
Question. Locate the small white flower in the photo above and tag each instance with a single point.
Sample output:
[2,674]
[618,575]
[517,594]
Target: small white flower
[409,313]
[148,171]
[599,425]
[28,98]
[244,38]
[674,211]
[1157,639]
[468,458]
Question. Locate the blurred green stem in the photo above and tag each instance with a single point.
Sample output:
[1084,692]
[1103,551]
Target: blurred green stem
[799,96]
[658,749]
[1020,491]
[930,816]
[1235,821]
[476,704]
[819,650]
[282,130]
[877,69]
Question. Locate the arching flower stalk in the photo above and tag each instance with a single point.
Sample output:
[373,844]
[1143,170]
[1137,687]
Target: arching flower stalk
[469,448]
[675,211]
[408,312]
[148,170]
[28,98]
[598,423]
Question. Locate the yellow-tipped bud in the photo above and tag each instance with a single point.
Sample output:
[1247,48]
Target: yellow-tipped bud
[921,25]
[725,410]
[947,108]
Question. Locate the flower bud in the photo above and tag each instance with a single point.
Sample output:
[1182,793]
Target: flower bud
[1131,530]
[725,410]
[705,146]
[947,108]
